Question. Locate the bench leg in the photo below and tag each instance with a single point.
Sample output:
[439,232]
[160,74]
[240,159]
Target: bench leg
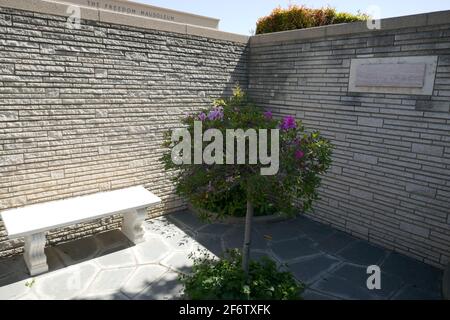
[132,225]
[34,254]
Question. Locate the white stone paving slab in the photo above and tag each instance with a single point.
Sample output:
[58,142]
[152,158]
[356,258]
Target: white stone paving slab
[108,266]
[142,278]
[29,296]
[178,261]
[105,296]
[110,281]
[14,290]
[66,283]
[119,259]
[151,251]
[167,287]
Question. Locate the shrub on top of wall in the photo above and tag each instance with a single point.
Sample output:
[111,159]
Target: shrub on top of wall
[300,17]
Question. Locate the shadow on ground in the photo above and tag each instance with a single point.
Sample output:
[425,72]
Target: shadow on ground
[331,263]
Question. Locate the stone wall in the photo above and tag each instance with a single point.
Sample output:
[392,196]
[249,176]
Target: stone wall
[83,111]
[390,181]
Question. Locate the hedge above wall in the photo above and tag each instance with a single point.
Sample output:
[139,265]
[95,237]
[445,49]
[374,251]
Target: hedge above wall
[300,17]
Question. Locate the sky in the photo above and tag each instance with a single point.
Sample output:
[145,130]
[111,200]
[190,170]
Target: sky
[240,16]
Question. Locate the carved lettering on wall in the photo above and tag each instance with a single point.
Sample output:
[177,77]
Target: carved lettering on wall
[402,75]
[398,75]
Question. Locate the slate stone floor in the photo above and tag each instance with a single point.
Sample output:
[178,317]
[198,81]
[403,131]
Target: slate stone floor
[107,266]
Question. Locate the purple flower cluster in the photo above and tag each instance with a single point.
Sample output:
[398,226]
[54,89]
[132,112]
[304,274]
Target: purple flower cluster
[299,154]
[202,116]
[288,123]
[215,114]
[268,114]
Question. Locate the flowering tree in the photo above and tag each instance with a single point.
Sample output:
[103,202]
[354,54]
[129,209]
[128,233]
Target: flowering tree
[300,156]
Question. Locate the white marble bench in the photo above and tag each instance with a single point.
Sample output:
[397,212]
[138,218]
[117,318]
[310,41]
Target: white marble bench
[32,222]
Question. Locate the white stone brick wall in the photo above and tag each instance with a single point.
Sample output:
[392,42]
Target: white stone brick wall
[83,111]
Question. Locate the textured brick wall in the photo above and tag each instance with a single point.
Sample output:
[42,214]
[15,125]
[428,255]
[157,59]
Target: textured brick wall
[390,182]
[83,111]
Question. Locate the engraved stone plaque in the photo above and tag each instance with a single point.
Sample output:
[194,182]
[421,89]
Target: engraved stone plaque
[401,75]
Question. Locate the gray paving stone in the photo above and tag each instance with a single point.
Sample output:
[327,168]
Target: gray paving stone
[65,283]
[12,270]
[118,259]
[337,241]
[109,280]
[212,243]
[167,287]
[446,282]
[308,270]
[414,293]
[258,255]
[160,226]
[77,251]
[141,278]
[279,231]
[112,240]
[53,259]
[173,235]
[234,238]
[7,266]
[363,253]
[217,229]
[187,219]
[303,222]
[413,272]
[151,251]
[343,289]
[314,230]
[309,294]
[259,241]
[291,249]
[177,239]
[179,261]
[358,276]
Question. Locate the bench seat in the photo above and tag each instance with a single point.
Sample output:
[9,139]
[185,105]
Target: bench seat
[32,222]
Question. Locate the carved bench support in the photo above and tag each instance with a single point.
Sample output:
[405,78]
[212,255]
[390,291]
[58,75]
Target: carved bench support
[132,225]
[34,254]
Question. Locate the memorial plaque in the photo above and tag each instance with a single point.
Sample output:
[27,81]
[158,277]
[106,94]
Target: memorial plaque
[402,75]
[148,11]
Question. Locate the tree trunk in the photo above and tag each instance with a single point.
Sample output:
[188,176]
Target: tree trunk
[247,238]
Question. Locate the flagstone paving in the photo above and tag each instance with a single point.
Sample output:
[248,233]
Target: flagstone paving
[332,264]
